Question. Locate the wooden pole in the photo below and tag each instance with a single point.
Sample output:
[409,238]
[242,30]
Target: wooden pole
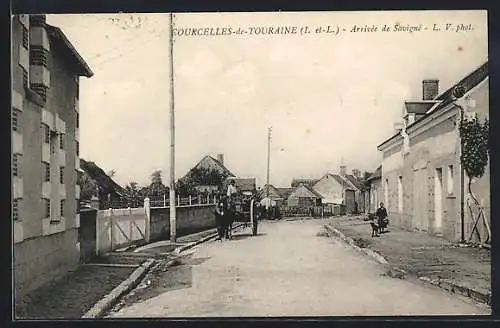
[268,159]
[173,226]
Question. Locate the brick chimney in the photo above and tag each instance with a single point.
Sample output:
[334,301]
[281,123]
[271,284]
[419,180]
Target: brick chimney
[430,89]
[343,169]
[220,158]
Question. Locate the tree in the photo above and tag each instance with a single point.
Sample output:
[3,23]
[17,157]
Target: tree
[88,186]
[201,176]
[111,173]
[157,188]
[474,157]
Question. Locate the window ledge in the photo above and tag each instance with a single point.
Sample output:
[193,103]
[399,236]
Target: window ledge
[34,97]
[451,196]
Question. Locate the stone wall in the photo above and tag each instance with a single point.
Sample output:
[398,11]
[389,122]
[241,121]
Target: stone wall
[190,219]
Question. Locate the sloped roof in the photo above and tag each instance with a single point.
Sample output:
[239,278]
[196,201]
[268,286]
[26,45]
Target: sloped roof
[313,192]
[105,183]
[376,175]
[273,192]
[285,192]
[243,184]
[58,38]
[209,162]
[298,182]
[353,180]
[348,185]
[447,97]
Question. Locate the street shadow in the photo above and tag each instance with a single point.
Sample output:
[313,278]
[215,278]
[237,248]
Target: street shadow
[162,280]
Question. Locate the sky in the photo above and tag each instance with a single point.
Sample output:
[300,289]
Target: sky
[328,98]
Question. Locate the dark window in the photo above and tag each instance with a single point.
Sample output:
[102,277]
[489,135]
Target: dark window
[15,164]
[77,148]
[61,141]
[61,175]
[61,208]
[77,120]
[25,77]
[46,169]
[15,209]
[46,205]
[53,142]
[26,38]
[77,205]
[38,56]
[46,131]
[16,119]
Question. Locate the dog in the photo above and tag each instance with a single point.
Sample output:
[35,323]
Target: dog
[375,229]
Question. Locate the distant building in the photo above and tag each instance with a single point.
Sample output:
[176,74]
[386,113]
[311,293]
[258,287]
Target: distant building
[45,148]
[304,196]
[336,190]
[421,167]
[308,182]
[209,163]
[110,193]
[247,186]
[277,195]
[374,182]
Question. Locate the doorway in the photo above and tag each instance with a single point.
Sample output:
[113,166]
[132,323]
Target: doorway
[438,199]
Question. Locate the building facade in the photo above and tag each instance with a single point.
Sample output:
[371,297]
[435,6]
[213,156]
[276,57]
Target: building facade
[45,149]
[421,170]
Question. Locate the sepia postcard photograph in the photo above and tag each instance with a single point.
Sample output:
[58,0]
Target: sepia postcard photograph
[250,164]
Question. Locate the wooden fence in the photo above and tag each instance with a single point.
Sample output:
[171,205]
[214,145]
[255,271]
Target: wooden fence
[117,228]
[312,211]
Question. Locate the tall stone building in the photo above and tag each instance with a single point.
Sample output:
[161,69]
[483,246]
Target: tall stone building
[45,151]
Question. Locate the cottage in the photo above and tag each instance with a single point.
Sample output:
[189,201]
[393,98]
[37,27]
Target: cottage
[275,195]
[421,169]
[207,163]
[110,193]
[308,182]
[46,70]
[304,196]
[337,189]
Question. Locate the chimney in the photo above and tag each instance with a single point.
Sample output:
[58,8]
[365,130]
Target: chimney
[430,89]
[220,158]
[343,169]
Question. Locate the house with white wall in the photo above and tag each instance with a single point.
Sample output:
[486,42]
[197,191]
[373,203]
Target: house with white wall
[421,170]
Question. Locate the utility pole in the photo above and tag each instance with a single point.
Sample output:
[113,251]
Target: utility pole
[172,206]
[268,158]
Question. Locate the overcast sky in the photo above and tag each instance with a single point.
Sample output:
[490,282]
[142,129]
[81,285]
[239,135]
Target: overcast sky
[326,97]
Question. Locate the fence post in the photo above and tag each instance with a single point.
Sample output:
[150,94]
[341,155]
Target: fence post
[164,201]
[189,199]
[98,219]
[130,222]
[147,225]
[178,200]
[199,198]
[112,226]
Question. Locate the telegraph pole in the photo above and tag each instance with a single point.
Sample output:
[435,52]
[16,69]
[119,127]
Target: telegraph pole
[172,204]
[268,158]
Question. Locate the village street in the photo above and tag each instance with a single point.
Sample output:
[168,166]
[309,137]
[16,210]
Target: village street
[291,268]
